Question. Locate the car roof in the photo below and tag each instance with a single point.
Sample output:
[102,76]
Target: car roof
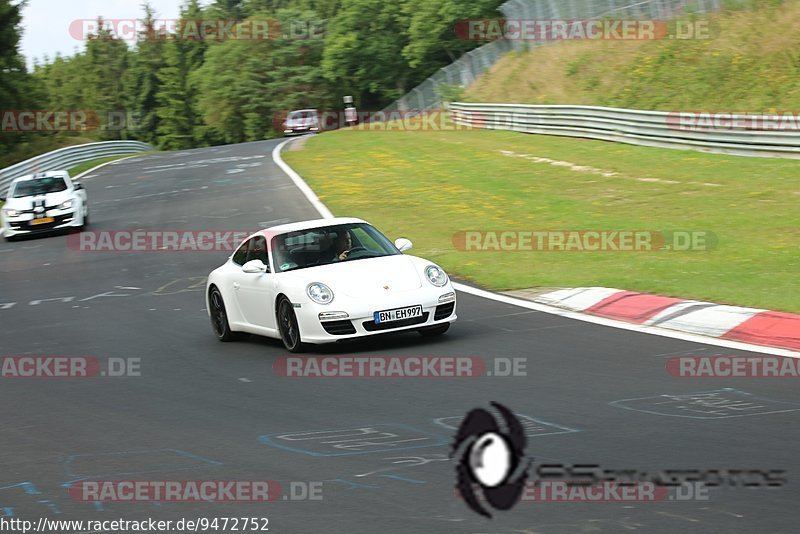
[48,174]
[306,225]
[299,110]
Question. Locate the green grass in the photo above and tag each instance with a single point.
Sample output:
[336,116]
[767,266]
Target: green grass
[749,62]
[85,166]
[428,186]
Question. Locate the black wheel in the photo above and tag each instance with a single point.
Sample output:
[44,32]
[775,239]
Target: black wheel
[437,330]
[219,317]
[287,324]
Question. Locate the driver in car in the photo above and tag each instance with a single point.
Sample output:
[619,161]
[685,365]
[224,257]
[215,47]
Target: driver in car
[343,244]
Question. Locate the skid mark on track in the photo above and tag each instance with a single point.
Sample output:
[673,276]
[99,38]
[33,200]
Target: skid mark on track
[717,404]
[182,285]
[355,440]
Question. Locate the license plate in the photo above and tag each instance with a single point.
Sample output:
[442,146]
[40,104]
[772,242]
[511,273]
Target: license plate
[43,220]
[398,314]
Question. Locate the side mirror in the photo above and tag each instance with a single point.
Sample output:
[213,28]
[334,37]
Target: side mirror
[77,185]
[2,199]
[254,266]
[403,244]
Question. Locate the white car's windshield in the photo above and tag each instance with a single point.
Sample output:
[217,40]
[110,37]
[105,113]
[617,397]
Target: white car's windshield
[329,244]
[39,186]
[301,115]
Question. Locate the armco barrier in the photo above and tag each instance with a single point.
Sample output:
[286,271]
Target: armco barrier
[64,158]
[647,128]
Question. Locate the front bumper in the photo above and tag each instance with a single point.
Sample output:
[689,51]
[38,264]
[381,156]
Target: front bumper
[360,321]
[21,225]
[300,130]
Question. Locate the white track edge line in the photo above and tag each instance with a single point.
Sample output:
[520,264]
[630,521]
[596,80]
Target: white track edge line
[299,182]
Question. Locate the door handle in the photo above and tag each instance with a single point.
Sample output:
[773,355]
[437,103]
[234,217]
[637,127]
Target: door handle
[236,285]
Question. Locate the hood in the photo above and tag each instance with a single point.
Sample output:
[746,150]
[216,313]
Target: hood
[368,277]
[48,200]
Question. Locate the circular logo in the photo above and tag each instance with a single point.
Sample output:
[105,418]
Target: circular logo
[491,468]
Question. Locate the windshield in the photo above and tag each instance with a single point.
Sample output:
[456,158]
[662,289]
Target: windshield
[299,115]
[329,244]
[39,186]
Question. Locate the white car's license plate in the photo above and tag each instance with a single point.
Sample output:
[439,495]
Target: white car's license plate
[398,314]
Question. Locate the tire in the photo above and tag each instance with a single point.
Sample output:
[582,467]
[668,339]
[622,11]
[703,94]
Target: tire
[437,330]
[288,327]
[85,224]
[219,317]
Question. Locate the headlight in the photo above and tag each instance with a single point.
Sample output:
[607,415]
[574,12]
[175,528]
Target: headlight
[319,293]
[11,213]
[65,205]
[435,275]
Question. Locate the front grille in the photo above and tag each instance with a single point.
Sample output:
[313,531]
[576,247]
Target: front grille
[370,326]
[339,328]
[26,225]
[443,311]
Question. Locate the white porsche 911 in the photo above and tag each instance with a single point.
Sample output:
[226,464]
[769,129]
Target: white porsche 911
[324,281]
[44,202]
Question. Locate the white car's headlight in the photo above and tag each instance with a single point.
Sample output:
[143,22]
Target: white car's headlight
[435,275]
[319,293]
[11,213]
[66,205]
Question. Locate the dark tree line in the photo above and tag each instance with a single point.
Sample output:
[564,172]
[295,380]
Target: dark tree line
[179,91]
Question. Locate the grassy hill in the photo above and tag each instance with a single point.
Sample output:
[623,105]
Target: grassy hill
[751,62]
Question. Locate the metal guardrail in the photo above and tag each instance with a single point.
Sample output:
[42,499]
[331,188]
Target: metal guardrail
[64,158]
[647,128]
[468,67]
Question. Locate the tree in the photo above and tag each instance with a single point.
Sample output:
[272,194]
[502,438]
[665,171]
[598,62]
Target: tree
[143,83]
[105,65]
[17,90]
[179,124]
[62,81]
[12,65]
[296,79]
[227,9]
[362,50]
[229,99]
[432,39]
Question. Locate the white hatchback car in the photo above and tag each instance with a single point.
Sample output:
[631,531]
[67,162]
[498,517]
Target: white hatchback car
[324,281]
[44,202]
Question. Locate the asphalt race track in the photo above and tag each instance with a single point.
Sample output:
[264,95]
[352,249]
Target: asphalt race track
[205,410]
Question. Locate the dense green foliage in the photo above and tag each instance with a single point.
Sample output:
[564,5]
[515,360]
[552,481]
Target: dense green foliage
[177,91]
